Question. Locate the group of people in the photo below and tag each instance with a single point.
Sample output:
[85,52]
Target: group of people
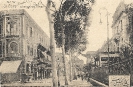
[85,76]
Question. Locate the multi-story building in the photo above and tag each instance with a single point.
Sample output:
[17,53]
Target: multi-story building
[90,55]
[119,27]
[21,39]
[123,31]
[120,45]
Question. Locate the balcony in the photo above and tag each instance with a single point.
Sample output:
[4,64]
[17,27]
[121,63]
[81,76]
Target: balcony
[13,55]
[11,36]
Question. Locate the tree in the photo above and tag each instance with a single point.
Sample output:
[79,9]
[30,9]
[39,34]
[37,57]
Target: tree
[52,46]
[127,52]
[87,67]
[70,25]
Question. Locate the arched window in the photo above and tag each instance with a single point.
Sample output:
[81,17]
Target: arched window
[14,47]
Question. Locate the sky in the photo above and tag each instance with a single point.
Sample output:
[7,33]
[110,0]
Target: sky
[97,32]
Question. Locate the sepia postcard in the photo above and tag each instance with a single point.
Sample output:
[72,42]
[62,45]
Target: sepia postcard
[66,43]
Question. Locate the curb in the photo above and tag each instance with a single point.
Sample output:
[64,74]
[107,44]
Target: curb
[99,83]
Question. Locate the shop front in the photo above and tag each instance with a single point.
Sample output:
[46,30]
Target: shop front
[10,71]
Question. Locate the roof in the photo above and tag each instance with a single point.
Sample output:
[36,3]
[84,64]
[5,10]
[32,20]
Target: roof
[119,10]
[90,53]
[10,66]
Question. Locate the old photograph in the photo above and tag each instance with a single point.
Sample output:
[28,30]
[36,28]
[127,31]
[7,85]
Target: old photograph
[66,43]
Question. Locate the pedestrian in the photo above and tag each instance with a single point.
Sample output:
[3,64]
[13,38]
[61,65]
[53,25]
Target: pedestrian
[78,75]
[82,77]
[88,77]
[23,78]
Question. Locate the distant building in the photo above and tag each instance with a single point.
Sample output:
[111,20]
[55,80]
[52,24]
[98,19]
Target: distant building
[83,58]
[104,54]
[90,55]
[77,66]
[60,62]
[60,65]
[120,45]
[21,39]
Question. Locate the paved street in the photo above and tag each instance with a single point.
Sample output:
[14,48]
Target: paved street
[48,82]
[80,83]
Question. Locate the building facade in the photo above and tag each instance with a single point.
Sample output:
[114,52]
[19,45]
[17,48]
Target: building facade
[90,55]
[119,36]
[119,58]
[122,37]
[22,39]
[120,26]
[108,53]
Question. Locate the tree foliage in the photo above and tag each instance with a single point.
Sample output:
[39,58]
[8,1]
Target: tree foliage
[126,51]
[72,19]
[87,67]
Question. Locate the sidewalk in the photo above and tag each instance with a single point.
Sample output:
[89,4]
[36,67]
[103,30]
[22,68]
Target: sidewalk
[43,82]
[80,83]
[48,82]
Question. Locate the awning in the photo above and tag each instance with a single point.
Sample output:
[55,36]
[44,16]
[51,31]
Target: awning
[48,68]
[110,55]
[42,48]
[45,62]
[10,66]
[40,63]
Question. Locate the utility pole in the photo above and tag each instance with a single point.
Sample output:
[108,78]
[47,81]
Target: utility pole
[70,56]
[108,61]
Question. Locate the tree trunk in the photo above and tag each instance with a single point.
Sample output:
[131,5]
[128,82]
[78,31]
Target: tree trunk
[70,57]
[52,45]
[64,58]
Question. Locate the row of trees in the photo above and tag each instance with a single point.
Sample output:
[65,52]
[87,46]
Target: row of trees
[68,28]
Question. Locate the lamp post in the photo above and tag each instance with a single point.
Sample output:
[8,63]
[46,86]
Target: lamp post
[58,63]
[107,13]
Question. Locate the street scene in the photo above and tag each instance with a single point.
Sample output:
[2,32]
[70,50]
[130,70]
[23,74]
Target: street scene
[66,43]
